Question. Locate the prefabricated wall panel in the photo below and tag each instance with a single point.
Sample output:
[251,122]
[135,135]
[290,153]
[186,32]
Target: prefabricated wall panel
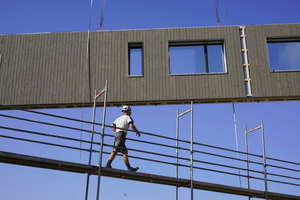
[274,86]
[52,70]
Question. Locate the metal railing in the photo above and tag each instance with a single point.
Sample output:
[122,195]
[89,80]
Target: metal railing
[155,148]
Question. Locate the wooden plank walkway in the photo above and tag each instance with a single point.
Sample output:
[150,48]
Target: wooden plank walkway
[25,160]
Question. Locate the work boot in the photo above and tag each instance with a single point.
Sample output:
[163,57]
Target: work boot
[133,169]
[108,166]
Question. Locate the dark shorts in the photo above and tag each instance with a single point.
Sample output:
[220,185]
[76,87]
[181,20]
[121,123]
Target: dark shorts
[119,144]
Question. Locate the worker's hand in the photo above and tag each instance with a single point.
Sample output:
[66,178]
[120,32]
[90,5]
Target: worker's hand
[138,134]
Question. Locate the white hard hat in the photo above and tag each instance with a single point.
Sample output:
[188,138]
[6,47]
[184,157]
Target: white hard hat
[126,108]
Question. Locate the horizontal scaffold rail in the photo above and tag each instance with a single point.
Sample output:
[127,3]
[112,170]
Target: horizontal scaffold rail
[19,159]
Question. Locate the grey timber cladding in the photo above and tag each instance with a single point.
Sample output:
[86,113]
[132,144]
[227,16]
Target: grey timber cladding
[267,84]
[110,56]
[56,70]
[43,69]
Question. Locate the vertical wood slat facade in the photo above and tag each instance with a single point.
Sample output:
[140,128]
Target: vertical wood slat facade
[54,69]
[265,83]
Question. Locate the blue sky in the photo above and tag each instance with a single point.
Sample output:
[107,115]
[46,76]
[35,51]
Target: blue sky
[213,123]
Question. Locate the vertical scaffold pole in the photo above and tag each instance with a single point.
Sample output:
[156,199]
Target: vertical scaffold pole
[177,146]
[91,146]
[91,141]
[191,154]
[247,159]
[102,142]
[191,148]
[263,152]
[264,158]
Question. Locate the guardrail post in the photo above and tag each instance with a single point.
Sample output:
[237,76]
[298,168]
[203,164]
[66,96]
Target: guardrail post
[92,139]
[191,155]
[264,156]
[247,159]
[191,148]
[101,143]
[177,137]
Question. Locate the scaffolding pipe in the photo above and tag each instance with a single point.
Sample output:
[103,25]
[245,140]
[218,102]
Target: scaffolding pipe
[177,146]
[191,154]
[102,142]
[264,158]
[262,172]
[46,123]
[195,151]
[46,143]
[91,145]
[87,150]
[46,114]
[191,148]
[247,159]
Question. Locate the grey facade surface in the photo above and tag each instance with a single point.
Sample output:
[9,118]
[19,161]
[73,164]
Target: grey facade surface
[64,69]
[43,69]
[265,83]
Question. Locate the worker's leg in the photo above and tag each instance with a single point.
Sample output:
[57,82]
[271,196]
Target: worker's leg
[113,155]
[126,161]
[118,144]
[125,157]
[111,158]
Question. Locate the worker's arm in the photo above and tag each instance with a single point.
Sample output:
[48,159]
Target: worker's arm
[135,129]
[113,128]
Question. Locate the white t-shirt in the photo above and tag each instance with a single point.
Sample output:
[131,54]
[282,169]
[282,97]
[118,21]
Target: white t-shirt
[123,122]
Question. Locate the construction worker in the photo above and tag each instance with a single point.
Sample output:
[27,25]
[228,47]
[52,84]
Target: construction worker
[122,122]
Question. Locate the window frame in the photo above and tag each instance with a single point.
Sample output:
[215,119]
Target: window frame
[135,45]
[205,44]
[272,40]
